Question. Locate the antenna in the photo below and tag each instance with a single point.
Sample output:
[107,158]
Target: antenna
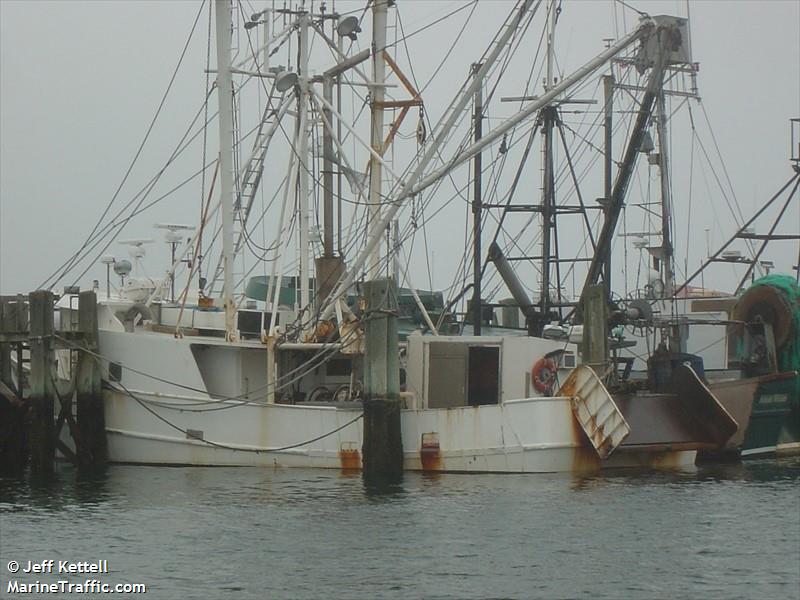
[123,268]
[108,260]
[136,251]
[173,238]
[348,27]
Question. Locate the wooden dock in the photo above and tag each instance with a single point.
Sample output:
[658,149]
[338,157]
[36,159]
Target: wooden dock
[50,377]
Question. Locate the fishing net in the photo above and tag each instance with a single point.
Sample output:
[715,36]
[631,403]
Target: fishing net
[789,350]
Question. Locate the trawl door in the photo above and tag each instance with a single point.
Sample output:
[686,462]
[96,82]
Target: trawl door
[447,374]
[483,379]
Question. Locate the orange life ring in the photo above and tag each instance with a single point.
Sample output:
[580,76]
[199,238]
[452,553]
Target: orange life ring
[543,374]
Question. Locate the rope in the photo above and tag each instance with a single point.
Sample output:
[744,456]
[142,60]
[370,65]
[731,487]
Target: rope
[143,404]
[310,365]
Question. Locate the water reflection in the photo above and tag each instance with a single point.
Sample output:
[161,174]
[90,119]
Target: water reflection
[383,489]
[294,533]
[764,471]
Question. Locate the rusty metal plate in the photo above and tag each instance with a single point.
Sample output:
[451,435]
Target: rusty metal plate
[690,418]
[696,399]
[595,410]
[737,397]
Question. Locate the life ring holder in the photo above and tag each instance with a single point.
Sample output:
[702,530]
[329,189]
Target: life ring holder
[543,375]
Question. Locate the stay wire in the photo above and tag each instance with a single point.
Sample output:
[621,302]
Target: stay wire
[141,196]
[67,266]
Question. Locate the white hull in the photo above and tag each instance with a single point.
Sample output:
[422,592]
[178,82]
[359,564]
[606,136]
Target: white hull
[170,403]
[535,435]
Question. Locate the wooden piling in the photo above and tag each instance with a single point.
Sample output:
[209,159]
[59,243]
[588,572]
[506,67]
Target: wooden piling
[91,445]
[594,348]
[6,319]
[13,447]
[39,420]
[382,451]
[21,326]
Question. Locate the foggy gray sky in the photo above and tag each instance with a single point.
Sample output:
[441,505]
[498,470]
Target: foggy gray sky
[80,81]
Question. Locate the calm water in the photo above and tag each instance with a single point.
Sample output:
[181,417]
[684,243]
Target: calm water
[717,532]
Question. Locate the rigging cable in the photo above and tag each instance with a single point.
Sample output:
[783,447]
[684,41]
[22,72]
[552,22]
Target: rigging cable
[285,380]
[141,196]
[67,266]
[234,448]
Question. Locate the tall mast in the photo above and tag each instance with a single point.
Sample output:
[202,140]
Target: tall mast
[625,171]
[548,208]
[327,159]
[302,150]
[551,32]
[417,180]
[379,13]
[225,94]
[477,260]
[327,171]
[667,268]
[608,122]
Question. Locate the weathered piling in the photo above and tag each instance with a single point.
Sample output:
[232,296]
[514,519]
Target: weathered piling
[5,347]
[13,448]
[39,416]
[382,451]
[594,348]
[30,433]
[91,444]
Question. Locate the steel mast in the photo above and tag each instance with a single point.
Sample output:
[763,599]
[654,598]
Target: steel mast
[417,181]
[302,150]
[477,259]
[377,91]
[227,195]
[548,204]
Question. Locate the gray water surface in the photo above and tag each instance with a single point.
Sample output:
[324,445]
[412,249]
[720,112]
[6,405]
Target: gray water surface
[730,531]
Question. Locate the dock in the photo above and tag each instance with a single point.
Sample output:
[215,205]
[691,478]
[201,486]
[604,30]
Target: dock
[50,384]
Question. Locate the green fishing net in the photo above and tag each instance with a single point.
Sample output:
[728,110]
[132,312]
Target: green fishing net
[789,353]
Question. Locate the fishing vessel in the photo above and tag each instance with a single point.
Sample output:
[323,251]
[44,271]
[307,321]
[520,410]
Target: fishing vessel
[234,370]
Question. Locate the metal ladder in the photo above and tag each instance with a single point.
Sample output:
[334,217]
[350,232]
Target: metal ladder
[249,183]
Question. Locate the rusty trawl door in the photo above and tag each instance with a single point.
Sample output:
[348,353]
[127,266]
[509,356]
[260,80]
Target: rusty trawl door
[595,410]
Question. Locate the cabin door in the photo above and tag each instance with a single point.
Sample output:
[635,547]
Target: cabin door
[483,376]
[447,374]
[462,375]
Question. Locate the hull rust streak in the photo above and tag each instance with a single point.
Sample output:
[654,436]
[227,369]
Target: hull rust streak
[430,454]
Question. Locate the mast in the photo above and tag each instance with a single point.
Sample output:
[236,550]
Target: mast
[227,198]
[625,171]
[608,122]
[327,171]
[327,157]
[416,181]
[302,150]
[477,261]
[340,47]
[667,268]
[551,32]
[379,14]
[548,204]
